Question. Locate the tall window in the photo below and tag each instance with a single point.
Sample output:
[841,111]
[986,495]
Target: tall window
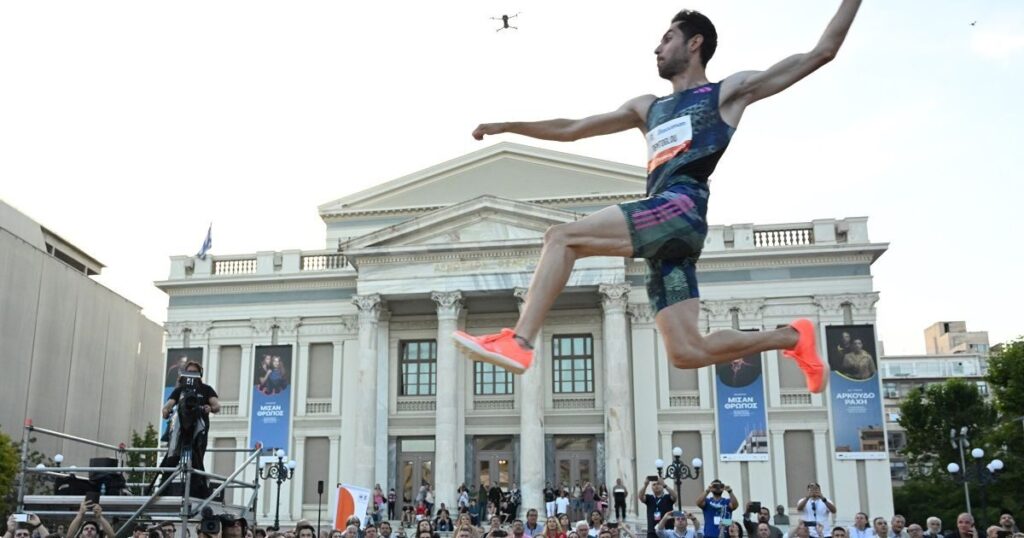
[418,361]
[489,379]
[573,364]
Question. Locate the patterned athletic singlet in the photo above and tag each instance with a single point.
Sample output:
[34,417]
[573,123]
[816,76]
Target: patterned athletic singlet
[685,138]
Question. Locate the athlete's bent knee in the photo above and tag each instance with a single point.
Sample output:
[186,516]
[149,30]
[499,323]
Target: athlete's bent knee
[557,234]
[687,357]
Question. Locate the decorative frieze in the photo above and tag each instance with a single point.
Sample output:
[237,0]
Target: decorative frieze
[175,329]
[721,310]
[861,303]
[641,313]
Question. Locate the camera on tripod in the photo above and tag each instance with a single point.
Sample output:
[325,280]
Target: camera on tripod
[191,401]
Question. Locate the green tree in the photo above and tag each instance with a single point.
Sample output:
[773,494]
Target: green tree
[148,439]
[929,413]
[10,469]
[1006,441]
[10,466]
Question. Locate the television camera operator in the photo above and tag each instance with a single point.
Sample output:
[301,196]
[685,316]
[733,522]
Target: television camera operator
[192,402]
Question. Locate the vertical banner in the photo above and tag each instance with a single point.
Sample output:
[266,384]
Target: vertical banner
[177,358]
[742,415]
[349,501]
[854,393]
[271,414]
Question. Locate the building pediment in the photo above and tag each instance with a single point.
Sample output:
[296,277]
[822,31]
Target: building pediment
[504,170]
[483,222]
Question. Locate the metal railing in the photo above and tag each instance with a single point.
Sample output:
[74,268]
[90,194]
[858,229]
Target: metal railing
[151,503]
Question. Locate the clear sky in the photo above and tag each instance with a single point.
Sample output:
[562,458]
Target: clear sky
[128,127]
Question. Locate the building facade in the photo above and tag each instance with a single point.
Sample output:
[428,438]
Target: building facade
[77,357]
[383,397]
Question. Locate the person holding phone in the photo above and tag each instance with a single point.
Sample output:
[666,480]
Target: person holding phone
[816,509]
[964,527]
[717,508]
[659,502]
[763,515]
[677,526]
[23,525]
[90,528]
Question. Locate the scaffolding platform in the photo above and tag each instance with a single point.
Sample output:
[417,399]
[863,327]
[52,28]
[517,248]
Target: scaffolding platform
[142,502]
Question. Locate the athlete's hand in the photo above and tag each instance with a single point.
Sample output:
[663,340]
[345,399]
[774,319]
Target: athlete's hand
[487,129]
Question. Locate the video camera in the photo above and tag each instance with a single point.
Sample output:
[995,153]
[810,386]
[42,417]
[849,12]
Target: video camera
[191,402]
[212,524]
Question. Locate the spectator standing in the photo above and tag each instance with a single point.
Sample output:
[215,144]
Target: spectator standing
[815,509]
[717,508]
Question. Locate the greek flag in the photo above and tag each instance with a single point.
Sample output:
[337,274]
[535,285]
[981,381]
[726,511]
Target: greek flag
[207,243]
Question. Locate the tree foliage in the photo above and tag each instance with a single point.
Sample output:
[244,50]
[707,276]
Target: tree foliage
[929,413]
[148,439]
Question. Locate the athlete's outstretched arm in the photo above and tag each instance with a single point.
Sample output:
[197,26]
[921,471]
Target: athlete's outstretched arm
[631,114]
[747,87]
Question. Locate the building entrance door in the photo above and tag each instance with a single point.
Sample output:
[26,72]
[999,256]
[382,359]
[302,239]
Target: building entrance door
[415,467]
[494,463]
[574,460]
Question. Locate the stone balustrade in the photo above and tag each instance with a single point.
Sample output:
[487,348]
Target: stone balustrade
[261,263]
[821,232]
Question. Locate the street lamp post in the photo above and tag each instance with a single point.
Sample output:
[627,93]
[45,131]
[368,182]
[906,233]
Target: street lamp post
[983,474]
[281,471]
[677,471]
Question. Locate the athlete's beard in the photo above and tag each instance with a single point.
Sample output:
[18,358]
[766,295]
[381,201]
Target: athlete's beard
[672,67]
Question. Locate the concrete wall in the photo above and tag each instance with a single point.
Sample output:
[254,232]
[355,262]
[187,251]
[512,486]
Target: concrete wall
[75,356]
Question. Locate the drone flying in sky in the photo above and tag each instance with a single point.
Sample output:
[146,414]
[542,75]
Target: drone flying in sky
[504,22]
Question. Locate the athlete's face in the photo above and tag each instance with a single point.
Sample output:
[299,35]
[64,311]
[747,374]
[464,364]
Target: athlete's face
[673,54]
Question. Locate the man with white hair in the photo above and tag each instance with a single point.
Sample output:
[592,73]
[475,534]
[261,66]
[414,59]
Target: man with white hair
[582,528]
[934,528]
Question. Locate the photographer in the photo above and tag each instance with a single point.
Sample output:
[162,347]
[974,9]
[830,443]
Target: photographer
[24,529]
[816,509]
[90,528]
[194,401]
[763,516]
[679,526]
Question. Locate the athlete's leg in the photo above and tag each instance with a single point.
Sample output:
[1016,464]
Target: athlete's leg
[687,348]
[603,233]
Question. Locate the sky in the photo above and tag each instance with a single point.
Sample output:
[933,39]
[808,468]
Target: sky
[128,127]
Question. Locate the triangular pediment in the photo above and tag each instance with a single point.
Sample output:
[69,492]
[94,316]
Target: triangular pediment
[483,221]
[504,170]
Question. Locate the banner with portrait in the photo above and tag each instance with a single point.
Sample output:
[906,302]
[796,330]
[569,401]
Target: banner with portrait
[742,414]
[270,419]
[854,393]
[174,366]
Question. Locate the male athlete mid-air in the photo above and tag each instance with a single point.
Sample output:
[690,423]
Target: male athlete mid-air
[687,132]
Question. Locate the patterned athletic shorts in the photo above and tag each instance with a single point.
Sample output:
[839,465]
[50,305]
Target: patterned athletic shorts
[668,230]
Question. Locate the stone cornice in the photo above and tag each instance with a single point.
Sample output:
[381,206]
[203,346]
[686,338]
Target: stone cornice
[861,302]
[605,198]
[753,259]
[255,284]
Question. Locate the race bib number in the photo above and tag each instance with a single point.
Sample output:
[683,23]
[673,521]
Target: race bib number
[668,140]
[718,521]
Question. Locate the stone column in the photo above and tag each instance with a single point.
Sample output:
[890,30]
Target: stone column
[646,401]
[447,468]
[618,409]
[531,425]
[366,419]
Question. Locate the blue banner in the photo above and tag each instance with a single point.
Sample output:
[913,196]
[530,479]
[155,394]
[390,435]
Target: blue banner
[177,358]
[855,394]
[742,415]
[270,419]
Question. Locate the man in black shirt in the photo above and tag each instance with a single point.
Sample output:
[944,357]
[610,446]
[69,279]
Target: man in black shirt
[193,417]
[659,503]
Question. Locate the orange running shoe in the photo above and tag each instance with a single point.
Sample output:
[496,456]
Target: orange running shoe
[805,353]
[500,349]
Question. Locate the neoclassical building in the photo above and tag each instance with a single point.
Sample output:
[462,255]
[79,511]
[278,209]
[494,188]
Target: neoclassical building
[381,395]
